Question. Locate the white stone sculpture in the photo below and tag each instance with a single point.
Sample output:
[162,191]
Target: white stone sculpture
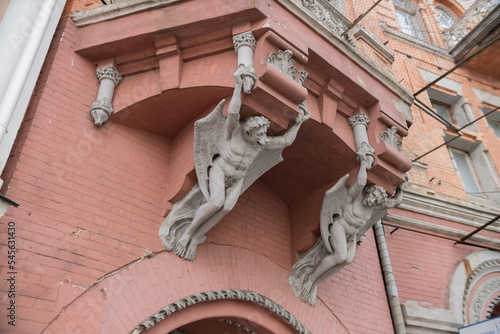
[229,157]
[390,137]
[346,214]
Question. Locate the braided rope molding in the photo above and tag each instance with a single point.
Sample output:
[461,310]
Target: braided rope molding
[480,270]
[220,295]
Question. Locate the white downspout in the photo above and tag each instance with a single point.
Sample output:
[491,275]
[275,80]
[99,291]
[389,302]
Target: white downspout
[389,280]
[20,76]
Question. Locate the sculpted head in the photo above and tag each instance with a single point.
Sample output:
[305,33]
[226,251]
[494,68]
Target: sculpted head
[374,195]
[255,130]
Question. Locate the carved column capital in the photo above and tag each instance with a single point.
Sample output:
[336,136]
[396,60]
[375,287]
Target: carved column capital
[108,72]
[359,118]
[242,39]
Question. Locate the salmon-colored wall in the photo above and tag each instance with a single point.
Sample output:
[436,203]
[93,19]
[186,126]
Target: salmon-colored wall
[92,200]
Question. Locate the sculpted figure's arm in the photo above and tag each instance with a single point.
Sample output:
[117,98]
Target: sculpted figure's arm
[288,138]
[398,196]
[233,115]
[365,157]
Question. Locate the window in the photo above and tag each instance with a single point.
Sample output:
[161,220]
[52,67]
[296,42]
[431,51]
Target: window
[463,166]
[493,120]
[444,111]
[495,126]
[409,21]
[446,18]
[452,108]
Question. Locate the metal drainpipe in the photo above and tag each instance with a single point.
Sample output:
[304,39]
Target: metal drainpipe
[389,280]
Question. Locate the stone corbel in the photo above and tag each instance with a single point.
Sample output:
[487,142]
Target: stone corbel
[329,98]
[276,95]
[102,107]
[170,61]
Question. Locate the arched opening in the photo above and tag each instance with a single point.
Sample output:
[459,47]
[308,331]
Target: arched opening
[222,311]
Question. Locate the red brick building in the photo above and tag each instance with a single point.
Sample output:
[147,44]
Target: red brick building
[97,163]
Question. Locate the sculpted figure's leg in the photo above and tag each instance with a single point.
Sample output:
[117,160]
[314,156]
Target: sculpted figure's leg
[205,211]
[232,195]
[351,250]
[339,246]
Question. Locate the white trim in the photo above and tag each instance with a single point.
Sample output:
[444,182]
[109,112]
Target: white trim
[27,68]
[466,214]
[432,320]
[117,9]
[448,231]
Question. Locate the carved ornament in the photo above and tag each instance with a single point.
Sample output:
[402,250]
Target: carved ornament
[390,137]
[109,72]
[101,110]
[236,324]
[492,306]
[245,38]
[221,295]
[329,16]
[359,118]
[480,271]
[467,21]
[284,63]
[481,297]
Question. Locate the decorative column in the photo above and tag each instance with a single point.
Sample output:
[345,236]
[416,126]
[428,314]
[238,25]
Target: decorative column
[102,107]
[359,124]
[244,46]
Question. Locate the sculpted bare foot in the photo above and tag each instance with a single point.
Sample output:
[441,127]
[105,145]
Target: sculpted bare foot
[190,253]
[181,245]
[306,291]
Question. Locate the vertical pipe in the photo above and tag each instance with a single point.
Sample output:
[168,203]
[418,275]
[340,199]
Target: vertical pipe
[11,97]
[389,280]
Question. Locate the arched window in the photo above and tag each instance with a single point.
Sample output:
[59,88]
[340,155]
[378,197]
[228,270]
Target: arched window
[446,18]
[408,18]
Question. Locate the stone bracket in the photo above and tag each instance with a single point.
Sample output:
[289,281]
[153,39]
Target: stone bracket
[170,60]
[102,107]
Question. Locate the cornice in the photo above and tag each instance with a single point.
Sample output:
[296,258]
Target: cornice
[415,42]
[466,214]
[452,232]
[363,33]
[111,11]
[295,8]
[126,7]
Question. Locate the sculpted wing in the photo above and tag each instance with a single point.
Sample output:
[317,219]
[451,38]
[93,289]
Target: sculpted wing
[208,133]
[331,209]
[378,213]
[264,161]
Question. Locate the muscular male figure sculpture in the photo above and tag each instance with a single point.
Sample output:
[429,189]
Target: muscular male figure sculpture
[241,143]
[355,207]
